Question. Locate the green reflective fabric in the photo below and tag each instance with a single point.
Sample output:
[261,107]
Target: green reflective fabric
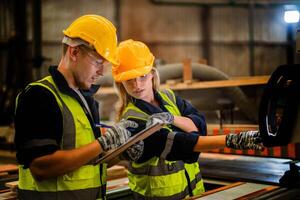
[77,132]
[158,178]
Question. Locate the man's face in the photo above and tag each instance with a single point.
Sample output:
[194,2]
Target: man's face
[89,68]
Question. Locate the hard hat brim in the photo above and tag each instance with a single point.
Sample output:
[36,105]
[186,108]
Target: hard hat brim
[131,74]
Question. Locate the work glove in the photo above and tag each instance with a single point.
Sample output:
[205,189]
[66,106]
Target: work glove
[245,140]
[116,135]
[161,118]
[134,152]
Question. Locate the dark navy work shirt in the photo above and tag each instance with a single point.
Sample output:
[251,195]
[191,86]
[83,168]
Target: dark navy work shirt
[39,118]
[184,143]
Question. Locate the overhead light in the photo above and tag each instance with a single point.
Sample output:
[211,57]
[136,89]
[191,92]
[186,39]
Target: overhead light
[291,16]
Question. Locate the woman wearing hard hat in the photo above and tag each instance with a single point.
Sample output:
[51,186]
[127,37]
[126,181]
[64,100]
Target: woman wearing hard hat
[165,165]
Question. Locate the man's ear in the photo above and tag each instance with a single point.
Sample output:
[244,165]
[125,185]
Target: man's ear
[73,52]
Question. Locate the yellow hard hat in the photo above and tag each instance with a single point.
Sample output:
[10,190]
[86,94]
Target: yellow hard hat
[135,59]
[98,32]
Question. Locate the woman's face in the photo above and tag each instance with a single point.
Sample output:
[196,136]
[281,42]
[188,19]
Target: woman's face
[140,87]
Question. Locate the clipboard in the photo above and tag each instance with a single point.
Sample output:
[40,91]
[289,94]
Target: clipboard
[134,139]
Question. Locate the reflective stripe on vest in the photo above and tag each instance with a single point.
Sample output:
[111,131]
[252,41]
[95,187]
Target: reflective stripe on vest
[68,141]
[158,178]
[169,144]
[159,170]
[196,186]
[77,131]
[129,112]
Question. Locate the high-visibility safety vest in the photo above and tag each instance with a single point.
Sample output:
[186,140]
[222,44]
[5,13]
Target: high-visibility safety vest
[87,182]
[158,178]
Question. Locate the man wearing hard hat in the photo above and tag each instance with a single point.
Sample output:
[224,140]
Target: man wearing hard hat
[56,137]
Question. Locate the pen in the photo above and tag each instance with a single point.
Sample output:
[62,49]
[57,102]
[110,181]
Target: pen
[101,125]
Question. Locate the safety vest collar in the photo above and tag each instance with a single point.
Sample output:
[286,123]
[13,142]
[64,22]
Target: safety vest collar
[157,96]
[60,81]
[149,108]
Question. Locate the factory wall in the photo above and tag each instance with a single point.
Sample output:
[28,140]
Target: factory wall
[175,32]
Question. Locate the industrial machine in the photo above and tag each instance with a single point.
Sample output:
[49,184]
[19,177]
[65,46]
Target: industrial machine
[279,124]
[279,113]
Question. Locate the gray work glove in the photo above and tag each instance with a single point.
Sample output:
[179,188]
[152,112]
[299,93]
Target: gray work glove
[245,140]
[162,118]
[116,135]
[134,152]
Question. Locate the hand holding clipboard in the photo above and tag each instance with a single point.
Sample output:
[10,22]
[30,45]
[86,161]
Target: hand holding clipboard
[157,125]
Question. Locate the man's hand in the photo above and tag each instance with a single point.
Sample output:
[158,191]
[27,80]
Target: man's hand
[245,140]
[116,135]
[162,118]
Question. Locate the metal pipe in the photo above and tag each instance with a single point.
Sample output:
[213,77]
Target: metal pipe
[204,73]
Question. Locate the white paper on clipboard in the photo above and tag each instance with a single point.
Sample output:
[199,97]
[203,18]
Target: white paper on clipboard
[134,139]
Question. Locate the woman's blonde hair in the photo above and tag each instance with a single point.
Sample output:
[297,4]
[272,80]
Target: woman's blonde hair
[123,96]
